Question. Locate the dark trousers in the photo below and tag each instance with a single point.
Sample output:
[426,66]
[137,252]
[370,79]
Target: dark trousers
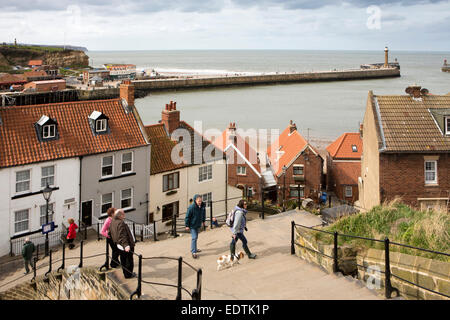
[126,260]
[242,238]
[115,252]
[28,262]
[70,242]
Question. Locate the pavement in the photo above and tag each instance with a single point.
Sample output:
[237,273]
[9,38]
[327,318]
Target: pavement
[274,274]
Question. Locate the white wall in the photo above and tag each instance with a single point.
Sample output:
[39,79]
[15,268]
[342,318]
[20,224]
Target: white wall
[66,179]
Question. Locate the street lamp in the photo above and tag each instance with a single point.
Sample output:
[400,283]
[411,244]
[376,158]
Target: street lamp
[47,193]
[284,187]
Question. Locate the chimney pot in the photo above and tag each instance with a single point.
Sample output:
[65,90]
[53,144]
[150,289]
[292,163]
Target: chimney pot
[127,92]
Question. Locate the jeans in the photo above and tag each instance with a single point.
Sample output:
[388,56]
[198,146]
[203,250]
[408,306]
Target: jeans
[240,236]
[28,262]
[194,235]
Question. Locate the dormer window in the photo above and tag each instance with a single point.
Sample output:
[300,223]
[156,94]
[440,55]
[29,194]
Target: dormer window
[100,125]
[98,122]
[447,125]
[354,148]
[46,128]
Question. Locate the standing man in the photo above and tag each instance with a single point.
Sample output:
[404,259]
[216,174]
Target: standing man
[124,240]
[195,218]
[27,254]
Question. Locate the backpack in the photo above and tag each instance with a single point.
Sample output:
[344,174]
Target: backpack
[230,219]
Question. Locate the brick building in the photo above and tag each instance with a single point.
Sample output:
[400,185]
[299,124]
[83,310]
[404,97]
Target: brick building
[46,85]
[7,80]
[406,141]
[296,165]
[344,166]
[244,171]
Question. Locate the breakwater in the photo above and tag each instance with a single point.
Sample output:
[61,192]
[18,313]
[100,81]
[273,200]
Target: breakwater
[357,74]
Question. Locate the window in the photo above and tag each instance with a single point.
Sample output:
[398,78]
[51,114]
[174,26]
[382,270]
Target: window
[354,148]
[100,125]
[107,202]
[431,172]
[48,176]
[447,125]
[127,162]
[169,210]
[249,192]
[298,170]
[107,166]
[21,220]
[207,197]
[126,197]
[241,170]
[23,181]
[205,173]
[49,131]
[171,181]
[293,192]
[348,190]
[51,212]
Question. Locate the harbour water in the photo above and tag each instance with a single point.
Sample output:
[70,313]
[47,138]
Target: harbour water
[324,110]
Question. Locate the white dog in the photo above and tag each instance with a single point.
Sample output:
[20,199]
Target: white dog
[225,261]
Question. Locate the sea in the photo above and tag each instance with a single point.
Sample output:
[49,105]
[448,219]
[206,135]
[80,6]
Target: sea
[322,111]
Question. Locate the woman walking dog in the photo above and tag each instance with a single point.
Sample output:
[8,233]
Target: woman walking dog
[239,225]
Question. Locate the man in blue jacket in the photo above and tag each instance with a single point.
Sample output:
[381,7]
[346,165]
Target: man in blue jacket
[195,218]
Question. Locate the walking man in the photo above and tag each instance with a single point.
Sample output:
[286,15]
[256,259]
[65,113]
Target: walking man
[124,240]
[240,224]
[105,232]
[27,254]
[195,218]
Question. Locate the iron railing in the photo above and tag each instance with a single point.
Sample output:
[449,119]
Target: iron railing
[54,239]
[389,289]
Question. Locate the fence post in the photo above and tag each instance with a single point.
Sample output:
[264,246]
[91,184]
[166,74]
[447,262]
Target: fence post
[210,213]
[81,255]
[10,248]
[262,204]
[34,269]
[180,266]
[292,237]
[134,231]
[199,283]
[388,289]
[106,264]
[335,253]
[138,291]
[174,225]
[142,233]
[154,231]
[37,252]
[85,232]
[98,232]
[63,265]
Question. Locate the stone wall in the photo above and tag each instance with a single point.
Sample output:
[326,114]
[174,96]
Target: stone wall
[428,273]
[266,79]
[71,284]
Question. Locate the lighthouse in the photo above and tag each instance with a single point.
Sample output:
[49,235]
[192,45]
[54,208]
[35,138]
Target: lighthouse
[386,55]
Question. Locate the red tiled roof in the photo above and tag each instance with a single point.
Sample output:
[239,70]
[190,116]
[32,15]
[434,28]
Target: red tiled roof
[11,79]
[342,147]
[35,63]
[241,144]
[347,172]
[162,146]
[289,145]
[19,143]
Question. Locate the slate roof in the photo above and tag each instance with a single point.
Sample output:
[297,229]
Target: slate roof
[19,144]
[407,124]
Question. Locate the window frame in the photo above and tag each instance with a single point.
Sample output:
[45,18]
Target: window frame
[447,125]
[49,126]
[298,166]
[28,221]
[29,182]
[295,188]
[170,177]
[104,125]
[46,177]
[164,219]
[103,203]
[244,173]
[122,163]
[131,198]
[346,188]
[208,198]
[51,214]
[208,173]
[435,171]
[112,167]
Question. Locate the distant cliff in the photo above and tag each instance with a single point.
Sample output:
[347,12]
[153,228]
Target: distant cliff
[13,56]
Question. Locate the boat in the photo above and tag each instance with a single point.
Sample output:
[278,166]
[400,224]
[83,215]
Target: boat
[445,66]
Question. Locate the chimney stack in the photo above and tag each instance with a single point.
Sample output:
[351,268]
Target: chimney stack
[386,57]
[127,92]
[170,117]
[232,132]
[416,91]
[292,127]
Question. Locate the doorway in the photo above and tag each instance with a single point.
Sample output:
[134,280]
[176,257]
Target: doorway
[86,213]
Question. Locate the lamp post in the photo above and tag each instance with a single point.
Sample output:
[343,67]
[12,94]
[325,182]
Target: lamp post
[284,187]
[47,193]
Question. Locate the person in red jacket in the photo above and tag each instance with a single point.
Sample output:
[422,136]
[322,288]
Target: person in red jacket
[72,234]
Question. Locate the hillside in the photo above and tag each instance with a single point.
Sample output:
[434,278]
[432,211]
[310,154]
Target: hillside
[13,56]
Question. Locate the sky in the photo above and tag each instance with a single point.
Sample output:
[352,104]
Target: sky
[421,25]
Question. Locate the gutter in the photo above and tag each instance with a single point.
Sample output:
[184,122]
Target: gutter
[383,140]
[79,192]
